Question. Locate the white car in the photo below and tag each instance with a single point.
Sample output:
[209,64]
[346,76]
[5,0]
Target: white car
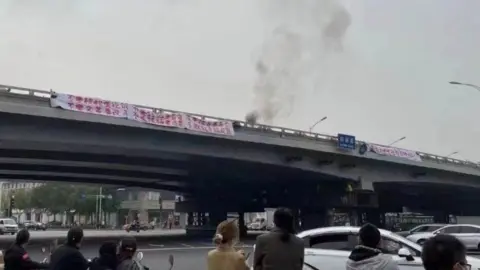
[328,248]
[467,233]
[8,225]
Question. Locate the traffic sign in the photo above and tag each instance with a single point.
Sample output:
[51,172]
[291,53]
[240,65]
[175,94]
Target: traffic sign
[346,142]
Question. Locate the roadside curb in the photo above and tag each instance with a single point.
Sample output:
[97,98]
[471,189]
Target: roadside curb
[92,239]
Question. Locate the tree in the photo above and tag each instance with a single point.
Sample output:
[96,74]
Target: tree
[54,197]
[23,199]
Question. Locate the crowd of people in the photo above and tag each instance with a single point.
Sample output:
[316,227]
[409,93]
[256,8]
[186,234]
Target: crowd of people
[281,249]
[68,256]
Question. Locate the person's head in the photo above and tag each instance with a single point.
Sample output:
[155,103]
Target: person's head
[108,249]
[283,220]
[444,252]
[128,247]
[75,237]
[22,237]
[227,233]
[108,254]
[369,235]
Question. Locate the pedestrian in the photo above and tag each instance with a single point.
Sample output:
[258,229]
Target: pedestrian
[279,249]
[367,255]
[444,252]
[68,255]
[107,259]
[127,249]
[224,256]
[17,258]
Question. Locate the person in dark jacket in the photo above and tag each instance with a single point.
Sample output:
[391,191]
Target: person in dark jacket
[127,249]
[16,258]
[279,249]
[367,255]
[107,259]
[68,256]
[444,252]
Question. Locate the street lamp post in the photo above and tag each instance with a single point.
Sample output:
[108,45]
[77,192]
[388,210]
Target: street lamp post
[316,123]
[401,139]
[466,84]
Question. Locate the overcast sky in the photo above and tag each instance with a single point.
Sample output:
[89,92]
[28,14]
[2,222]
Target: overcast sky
[380,74]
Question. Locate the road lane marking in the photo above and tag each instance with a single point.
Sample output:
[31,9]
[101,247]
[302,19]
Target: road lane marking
[155,245]
[185,245]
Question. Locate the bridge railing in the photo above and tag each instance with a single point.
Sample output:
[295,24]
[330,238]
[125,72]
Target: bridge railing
[274,130]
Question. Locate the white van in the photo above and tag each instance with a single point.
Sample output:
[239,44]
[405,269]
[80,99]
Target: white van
[8,225]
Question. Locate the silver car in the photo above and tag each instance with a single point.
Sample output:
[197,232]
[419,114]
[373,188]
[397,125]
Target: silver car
[421,229]
[469,234]
[329,248]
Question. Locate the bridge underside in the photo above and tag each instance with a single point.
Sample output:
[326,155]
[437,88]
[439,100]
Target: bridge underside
[429,198]
[31,149]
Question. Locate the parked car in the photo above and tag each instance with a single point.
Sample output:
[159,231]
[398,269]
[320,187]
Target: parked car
[34,225]
[469,234]
[258,224]
[421,229]
[329,248]
[8,225]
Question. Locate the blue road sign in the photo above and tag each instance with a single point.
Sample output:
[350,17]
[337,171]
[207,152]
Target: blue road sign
[346,142]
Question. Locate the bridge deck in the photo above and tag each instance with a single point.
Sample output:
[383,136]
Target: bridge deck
[17,100]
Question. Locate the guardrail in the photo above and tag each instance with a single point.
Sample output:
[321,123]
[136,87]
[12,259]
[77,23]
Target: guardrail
[280,131]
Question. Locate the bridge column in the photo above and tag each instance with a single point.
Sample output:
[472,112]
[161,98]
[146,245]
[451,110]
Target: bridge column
[241,224]
[366,207]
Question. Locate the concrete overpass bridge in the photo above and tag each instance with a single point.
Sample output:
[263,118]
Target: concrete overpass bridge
[270,165]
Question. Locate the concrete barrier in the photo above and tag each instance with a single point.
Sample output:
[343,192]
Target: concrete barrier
[46,238]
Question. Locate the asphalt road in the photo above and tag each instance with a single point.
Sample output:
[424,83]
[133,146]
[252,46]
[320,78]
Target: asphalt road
[188,254]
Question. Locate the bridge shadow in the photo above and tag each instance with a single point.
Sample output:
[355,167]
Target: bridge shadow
[428,197]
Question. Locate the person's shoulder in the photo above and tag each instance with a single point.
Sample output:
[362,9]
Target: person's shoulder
[212,253]
[297,239]
[264,237]
[391,263]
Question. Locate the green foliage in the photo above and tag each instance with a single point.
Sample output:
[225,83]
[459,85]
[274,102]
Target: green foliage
[58,197]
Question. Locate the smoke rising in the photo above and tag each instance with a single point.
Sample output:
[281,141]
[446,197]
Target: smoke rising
[287,58]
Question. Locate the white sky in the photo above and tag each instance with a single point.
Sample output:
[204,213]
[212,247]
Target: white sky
[390,80]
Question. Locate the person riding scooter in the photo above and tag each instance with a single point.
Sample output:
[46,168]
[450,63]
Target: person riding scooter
[107,259]
[127,249]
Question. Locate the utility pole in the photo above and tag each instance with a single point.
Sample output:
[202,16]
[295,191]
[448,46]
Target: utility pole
[160,202]
[100,197]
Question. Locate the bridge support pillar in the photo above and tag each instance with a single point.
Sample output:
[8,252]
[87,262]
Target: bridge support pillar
[241,224]
[365,184]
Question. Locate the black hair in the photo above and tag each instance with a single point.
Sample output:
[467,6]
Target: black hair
[22,237]
[108,248]
[442,252]
[283,220]
[129,245]
[108,254]
[74,236]
[369,235]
